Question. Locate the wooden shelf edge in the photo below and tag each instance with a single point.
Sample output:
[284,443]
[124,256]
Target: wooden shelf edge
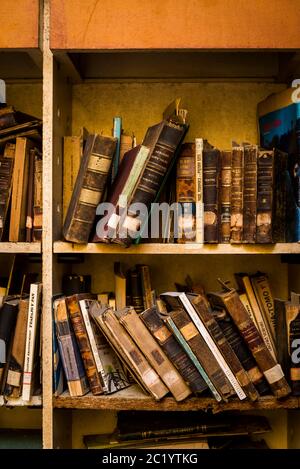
[35,401]
[135,400]
[20,248]
[61,247]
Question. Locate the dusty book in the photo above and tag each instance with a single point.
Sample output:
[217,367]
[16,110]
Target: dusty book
[211,165]
[236,200]
[249,193]
[224,196]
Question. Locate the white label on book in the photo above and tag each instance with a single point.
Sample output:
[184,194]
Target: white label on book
[171,377]
[13,378]
[28,222]
[150,378]
[99,163]
[274,374]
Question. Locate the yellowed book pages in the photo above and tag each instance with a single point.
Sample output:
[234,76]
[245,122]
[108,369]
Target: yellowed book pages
[17,225]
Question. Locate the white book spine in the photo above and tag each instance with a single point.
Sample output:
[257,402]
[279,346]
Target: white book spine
[199,190]
[33,313]
[247,306]
[213,347]
[85,314]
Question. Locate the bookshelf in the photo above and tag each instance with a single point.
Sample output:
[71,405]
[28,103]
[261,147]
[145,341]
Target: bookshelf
[221,71]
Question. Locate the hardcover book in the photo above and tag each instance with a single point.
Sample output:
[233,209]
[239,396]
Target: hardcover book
[237,170]
[265,191]
[186,193]
[211,164]
[224,196]
[250,193]
[6,172]
[8,318]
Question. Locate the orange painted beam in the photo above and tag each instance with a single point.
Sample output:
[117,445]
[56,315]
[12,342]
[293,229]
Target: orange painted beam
[178,24]
[19,24]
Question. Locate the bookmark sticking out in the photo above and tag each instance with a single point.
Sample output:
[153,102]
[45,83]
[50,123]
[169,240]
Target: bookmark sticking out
[2,92]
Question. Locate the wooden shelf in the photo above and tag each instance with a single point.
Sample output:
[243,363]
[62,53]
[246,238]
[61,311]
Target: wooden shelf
[134,399]
[61,247]
[20,248]
[36,401]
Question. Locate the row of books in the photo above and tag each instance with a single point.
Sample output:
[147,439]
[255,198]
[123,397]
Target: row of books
[20,176]
[223,343]
[20,344]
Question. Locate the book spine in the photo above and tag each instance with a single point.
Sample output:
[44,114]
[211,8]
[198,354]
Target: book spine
[38,199]
[244,299]
[237,171]
[265,300]
[173,350]
[210,194]
[293,335]
[32,322]
[199,190]
[146,286]
[30,191]
[281,335]
[249,195]
[271,370]
[241,350]
[89,188]
[73,148]
[265,180]
[225,190]
[117,131]
[58,372]
[84,344]
[186,194]
[136,291]
[8,319]
[280,197]
[154,354]
[6,172]
[126,145]
[203,309]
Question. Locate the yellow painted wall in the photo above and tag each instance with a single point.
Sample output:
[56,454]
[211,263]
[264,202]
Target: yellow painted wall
[25,97]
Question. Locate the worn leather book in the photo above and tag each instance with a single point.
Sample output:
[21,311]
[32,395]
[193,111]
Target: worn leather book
[17,226]
[10,118]
[241,350]
[81,335]
[155,324]
[203,309]
[249,193]
[89,187]
[128,351]
[69,350]
[144,273]
[265,190]
[154,353]
[163,139]
[120,194]
[292,311]
[281,334]
[30,191]
[273,373]
[186,193]
[237,171]
[224,196]
[120,285]
[136,290]
[13,386]
[261,286]
[211,168]
[8,318]
[281,199]
[7,117]
[6,172]
[38,198]
[199,144]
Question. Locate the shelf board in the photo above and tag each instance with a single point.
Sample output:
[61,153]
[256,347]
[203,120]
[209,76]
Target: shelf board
[20,248]
[61,247]
[36,401]
[133,398]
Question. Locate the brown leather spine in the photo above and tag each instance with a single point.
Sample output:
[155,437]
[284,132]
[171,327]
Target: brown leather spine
[272,370]
[30,195]
[280,197]
[249,200]
[211,161]
[83,342]
[236,223]
[186,193]
[224,199]
[265,182]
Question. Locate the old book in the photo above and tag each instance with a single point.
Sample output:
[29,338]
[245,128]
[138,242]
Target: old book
[154,322]
[11,120]
[30,191]
[259,314]
[199,325]
[130,171]
[6,172]
[281,334]
[13,386]
[199,190]
[265,190]
[282,199]
[120,285]
[109,368]
[186,193]
[59,379]
[117,131]
[224,196]
[89,187]
[211,165]
[38,198]
[69,350]
[81,335]
[72,154]
[136,290]
[144,272]
[261,286]
[246,303]
[163,140]
[17,225]
[249,193]
[128,351]
[203,309]
[154,353]
[32,345]
[126,145]
[293,335]
[229,299]
[8,318]
[7,117]
[241,350]
[237,170]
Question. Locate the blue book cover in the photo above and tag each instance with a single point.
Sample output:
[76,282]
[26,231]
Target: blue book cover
[117,130]
[279,127]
